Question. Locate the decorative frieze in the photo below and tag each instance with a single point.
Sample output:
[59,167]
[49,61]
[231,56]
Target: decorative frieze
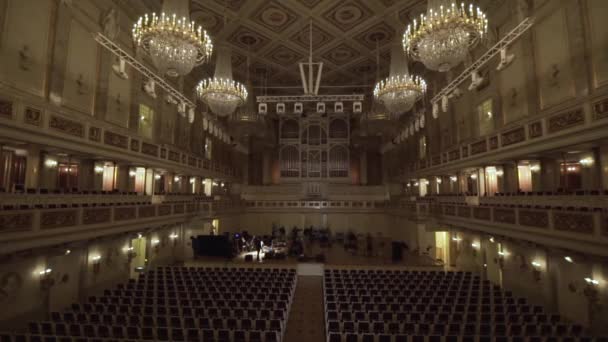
[513,136]
[135,145]
[6,109]
[18,221]
[464,211]
[66,126]
[600,109]
[493,142]
[192,161]
[164,210]
[539,219]
[465,151]
[479,147]
[57,219]
[115,140]
[124,213]
[535,129]
[566,120]
[173,156]
[581,223]
[147,211]
[454,155]
[149,149]
[178,208]
[95,216]
[481,213]
[504,215]
[450,210]
[33,116]
[95,134]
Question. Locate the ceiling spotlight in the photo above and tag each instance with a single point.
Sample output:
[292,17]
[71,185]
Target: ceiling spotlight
[568,259]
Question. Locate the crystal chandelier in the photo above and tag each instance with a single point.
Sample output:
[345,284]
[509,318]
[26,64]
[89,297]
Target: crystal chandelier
[174,43]
[442,38]
[378,120]
[222,93]
[400,90]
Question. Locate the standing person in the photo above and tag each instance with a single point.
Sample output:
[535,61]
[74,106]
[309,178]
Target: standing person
[370,245]
[258,246]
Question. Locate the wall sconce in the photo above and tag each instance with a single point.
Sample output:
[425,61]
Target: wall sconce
[131,254]
[475,245]
[96,261]
[155,242]
[192,180]
[438,180]
[67,252]
[416,184]
[132,173]
[215,183]
[456,239]
[46,282]
[98,169]
[586,161]
[474,176]
[536,270]
[453,178]
[491,239]
[591,281]
[176,179]
[139,236]
[568,259]
[535,168]
[157,177]
[500,173]
[50,163]
[173,236]
[222,184]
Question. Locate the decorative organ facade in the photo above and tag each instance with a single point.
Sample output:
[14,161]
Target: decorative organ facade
[314,146]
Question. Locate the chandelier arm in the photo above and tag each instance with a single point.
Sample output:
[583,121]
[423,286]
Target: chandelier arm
[142,69]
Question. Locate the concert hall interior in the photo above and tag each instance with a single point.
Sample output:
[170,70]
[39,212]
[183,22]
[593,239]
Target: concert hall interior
[304,170]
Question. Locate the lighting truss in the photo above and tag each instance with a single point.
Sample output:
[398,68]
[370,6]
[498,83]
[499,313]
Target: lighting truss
[493,51]
[115,49]
[310,98]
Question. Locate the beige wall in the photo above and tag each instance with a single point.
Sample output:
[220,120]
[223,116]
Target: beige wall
[559,286]
[74,275]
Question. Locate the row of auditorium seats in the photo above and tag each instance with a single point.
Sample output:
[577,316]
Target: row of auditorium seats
[176,304]
[381,306]
[367,337]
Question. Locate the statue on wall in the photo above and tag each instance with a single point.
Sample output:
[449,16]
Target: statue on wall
[110,24]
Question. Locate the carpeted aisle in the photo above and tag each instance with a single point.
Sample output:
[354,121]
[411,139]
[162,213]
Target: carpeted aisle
[306,320]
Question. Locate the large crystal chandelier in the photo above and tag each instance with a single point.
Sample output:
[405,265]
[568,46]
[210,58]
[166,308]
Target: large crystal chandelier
[442,38]
[400,90]
[222,93]
[173,42]
[378,120]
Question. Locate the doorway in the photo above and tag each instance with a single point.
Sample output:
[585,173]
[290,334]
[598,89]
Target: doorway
[139,248]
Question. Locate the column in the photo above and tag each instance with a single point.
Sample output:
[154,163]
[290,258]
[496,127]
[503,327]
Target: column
[550,173]
[511,177]
[122,177]
[48,172]
[363,167]
[603,166]
[86,174]
[266,180]
[33,165]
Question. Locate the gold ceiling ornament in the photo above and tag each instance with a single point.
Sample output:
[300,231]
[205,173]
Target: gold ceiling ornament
[175,44]
[400,90]
[221,93]
[442,38]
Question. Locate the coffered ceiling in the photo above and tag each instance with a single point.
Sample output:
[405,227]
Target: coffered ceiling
[275,34]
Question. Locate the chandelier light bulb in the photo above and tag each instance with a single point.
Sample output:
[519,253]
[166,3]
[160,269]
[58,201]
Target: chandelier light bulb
[175,45]
[442,37]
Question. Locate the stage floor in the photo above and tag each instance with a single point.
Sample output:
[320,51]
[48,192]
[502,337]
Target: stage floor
[335,255]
